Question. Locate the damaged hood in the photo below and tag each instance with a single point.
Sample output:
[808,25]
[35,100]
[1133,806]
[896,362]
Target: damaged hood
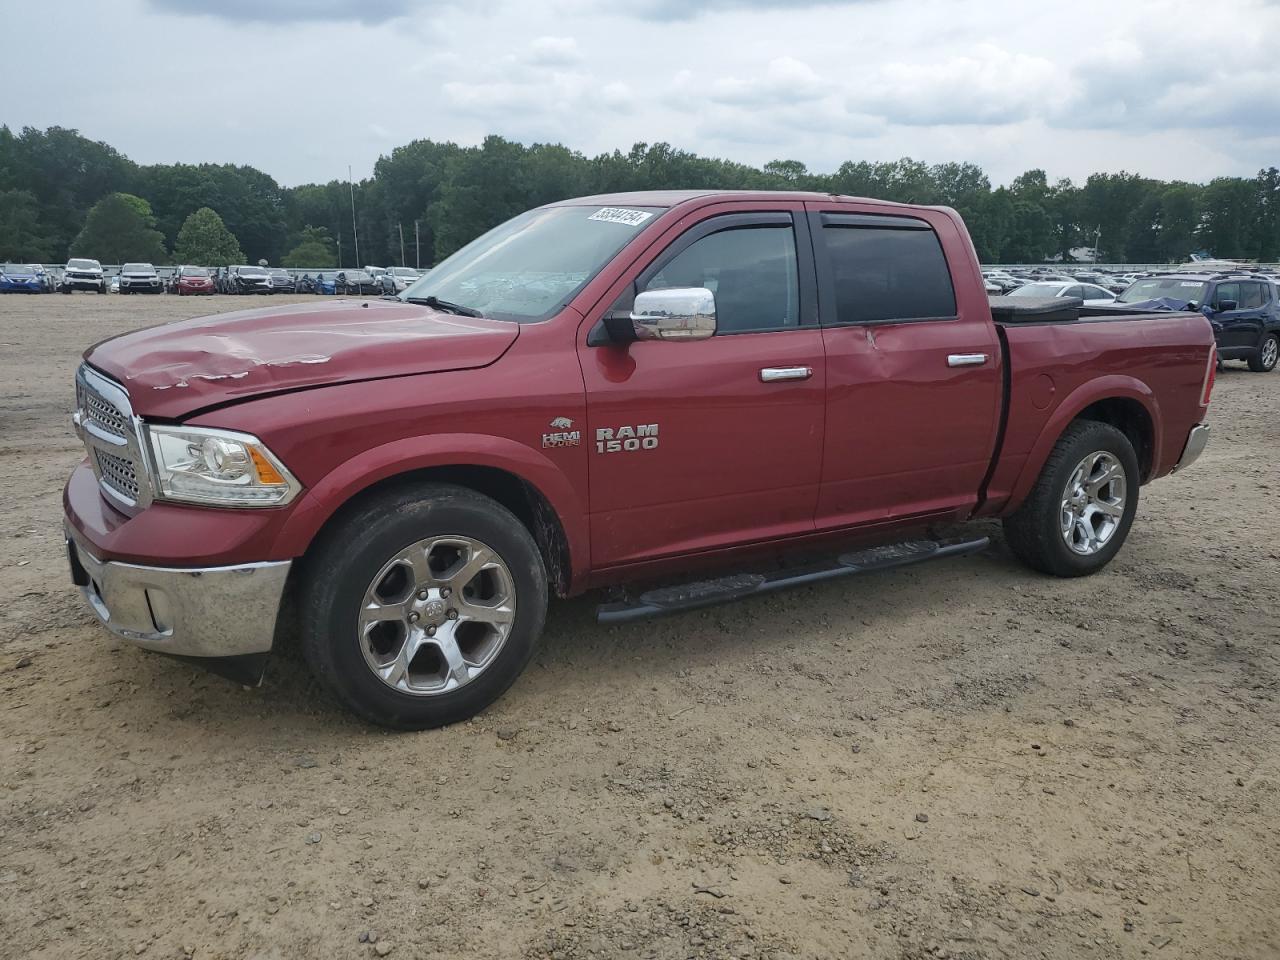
[177,368]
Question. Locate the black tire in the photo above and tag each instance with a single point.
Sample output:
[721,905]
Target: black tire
[1034,531]
[1270,348]
[102,288]
[347,558]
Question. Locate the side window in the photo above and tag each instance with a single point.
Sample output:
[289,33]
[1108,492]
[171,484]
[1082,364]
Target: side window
[1251,296]
[1076,291]
[1227,291]
[888,274]
[751,270]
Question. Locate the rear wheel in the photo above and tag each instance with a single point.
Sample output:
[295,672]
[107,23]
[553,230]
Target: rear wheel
[1079,513]
[1264,361]
[421,608]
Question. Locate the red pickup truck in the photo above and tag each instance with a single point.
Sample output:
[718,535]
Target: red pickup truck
[603,392]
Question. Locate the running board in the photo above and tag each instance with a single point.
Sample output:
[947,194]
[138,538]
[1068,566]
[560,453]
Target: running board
[707,593]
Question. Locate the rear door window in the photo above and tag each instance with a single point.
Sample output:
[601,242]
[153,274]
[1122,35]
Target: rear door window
[884,273]
[1251,296]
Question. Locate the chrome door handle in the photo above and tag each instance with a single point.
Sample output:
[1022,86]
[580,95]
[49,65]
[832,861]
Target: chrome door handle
[966,359]
[774,374]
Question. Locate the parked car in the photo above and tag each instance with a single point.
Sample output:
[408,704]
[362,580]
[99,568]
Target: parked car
[1242,309]
[139,278]
[398,279]
[246,279]
[604,391]
[282,281]
[83,274]
[191,281]
[1090,293]
[324,284]
[114,284]
[357,282]
[23,278]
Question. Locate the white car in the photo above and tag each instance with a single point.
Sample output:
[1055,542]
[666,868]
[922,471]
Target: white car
[82,274]
[1092,294]
[399,279]
[139,278]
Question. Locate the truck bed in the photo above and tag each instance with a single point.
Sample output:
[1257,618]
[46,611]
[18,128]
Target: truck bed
[1035,310]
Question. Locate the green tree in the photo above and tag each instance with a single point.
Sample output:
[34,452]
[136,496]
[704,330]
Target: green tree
[312,247]
[22,237]
[120,228]
[205,239]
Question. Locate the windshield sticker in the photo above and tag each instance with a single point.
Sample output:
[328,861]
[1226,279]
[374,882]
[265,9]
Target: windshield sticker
[1189,283]
[631,218]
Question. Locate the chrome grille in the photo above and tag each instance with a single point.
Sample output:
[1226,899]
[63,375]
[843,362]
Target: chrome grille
[117,473]
[104,413]
[106,424]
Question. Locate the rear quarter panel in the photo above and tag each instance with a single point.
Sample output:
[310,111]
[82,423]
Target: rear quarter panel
[1057,370]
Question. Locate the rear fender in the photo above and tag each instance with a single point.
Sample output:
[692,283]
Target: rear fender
[322,501]
[1084,396]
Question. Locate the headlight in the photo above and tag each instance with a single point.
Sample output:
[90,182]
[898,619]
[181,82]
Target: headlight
[221,467]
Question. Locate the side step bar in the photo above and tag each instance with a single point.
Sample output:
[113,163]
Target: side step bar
[707,593]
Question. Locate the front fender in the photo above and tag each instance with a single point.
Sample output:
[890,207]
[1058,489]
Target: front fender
[319,503]
[1110,387]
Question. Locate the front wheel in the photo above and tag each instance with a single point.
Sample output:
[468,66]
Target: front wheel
[1079,513]
[422,607]
[1264,361]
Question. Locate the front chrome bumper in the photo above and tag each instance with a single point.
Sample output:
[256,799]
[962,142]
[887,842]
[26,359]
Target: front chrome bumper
[197,612]
[1197,440]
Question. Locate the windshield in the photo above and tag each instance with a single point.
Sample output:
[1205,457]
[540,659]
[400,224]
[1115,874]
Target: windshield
[1155,288]
[83,265]
[137,268]
[15,268]
[404,272]
[194,272]
[252,272]
[280,273]
[529,267]
[1037,290]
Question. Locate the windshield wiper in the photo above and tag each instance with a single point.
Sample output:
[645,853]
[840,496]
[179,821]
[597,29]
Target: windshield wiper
[437,304]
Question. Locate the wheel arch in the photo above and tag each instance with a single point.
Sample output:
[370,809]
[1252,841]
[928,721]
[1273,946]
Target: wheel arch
[523,481]
[1126,403]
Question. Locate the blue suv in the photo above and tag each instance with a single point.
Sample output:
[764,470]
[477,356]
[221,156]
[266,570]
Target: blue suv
[1243,308]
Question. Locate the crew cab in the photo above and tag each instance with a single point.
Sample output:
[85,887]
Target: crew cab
[140,278]
[83,274]
[1243,309]
[599,393]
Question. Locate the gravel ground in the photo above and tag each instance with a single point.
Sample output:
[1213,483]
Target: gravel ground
[959,760]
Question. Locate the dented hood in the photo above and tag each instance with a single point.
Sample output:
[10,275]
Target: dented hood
[177,368]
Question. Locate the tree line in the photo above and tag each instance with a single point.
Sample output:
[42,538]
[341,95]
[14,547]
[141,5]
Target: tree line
[62,195]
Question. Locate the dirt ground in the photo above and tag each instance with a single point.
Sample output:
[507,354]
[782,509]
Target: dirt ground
[959,760]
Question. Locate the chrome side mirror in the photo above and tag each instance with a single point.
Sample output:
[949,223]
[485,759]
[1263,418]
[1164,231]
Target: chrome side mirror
[678,313]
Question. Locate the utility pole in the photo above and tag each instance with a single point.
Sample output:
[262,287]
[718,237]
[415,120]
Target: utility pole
[400,227]
[417,248]
[355,231]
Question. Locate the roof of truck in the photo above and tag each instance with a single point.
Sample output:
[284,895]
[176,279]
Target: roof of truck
[670,198]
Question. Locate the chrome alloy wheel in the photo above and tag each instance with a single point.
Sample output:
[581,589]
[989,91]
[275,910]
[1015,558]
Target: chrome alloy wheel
[436,615]
[1270,352]
[1093,503]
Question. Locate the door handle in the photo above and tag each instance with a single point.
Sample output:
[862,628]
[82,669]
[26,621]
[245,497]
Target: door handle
[774,374]
[966,359]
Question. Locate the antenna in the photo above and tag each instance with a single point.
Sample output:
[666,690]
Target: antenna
[355,231]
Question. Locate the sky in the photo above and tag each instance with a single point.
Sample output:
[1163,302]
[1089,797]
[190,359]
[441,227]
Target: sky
[303,88]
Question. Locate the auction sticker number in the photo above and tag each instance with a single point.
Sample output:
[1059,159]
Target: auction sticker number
[630,218]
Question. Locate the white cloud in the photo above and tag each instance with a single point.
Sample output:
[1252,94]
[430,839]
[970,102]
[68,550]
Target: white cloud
[554,51]
[1168,88]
